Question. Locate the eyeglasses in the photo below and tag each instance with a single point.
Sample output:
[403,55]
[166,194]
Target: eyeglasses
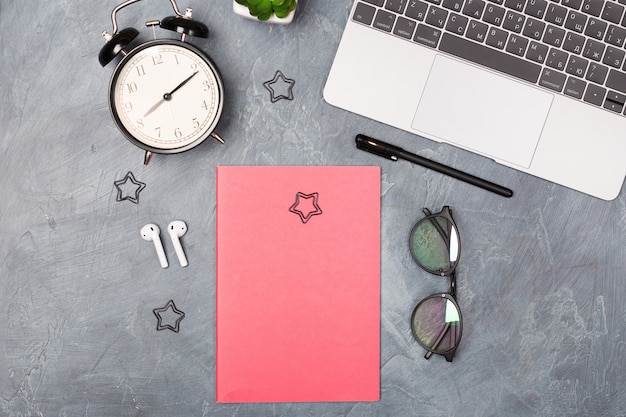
[436,321]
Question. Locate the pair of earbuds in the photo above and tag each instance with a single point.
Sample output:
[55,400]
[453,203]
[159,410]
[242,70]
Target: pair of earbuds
[176,230]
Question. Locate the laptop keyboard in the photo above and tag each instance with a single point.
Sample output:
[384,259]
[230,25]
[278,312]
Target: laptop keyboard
[573,47]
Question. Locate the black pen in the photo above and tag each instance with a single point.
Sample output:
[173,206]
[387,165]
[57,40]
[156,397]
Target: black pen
[389,151]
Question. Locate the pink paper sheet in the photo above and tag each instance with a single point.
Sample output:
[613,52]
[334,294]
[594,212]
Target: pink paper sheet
[298,284]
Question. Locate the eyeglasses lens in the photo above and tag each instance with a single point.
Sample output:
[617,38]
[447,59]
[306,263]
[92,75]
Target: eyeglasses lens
[435,244]
[436,324]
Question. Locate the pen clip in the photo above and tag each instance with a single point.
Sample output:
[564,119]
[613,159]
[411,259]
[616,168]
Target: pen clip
[374,146]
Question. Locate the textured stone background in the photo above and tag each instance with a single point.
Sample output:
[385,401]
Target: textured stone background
[541,281]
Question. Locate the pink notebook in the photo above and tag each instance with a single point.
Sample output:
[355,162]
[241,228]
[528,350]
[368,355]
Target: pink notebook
[298,284]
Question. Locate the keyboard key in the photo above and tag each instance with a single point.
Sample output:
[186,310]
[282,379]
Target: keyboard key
[575,87]
[493,14]
[616,107]
[384,20]
[577,66]
[593,50]
[515,4]
[556,14]
[597,73]
[572,4]
[534,28]
[427,35]
[596,28]
[617,81]
[477,31]
[497,38]
[574,43]
[557,59]
[595,94]
[517,44]
[513,21]
[615,35]
[613,57]
[457,24]
[376,2]
[616,97]
[416,10]
[576,21]
[554,36]
[614,101]
[364,13]
[612,12]
[454,5]
[536,8]
[490,58]
[436,16]
[537,52]
[592,7]
[405,27]
[554,80]
[474,8]
[396,6]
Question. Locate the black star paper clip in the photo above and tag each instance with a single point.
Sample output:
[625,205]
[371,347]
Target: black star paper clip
[306,213]
[121,186]
[280,81]
[169,306]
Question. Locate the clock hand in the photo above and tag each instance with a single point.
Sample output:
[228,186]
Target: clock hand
[153,108]
[168,96]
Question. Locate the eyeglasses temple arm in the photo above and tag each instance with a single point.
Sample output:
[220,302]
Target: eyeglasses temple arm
[438,341]
[444,235]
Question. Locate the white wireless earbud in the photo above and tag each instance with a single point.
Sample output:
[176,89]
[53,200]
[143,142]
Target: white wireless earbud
[151,232]
[176,229]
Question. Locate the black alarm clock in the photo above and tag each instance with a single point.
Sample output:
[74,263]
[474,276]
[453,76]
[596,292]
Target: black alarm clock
[166,95]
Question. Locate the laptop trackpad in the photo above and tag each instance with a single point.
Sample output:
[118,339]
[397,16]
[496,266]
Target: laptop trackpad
[482,111]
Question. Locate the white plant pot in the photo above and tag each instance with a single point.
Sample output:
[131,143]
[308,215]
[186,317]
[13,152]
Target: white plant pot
[243,11]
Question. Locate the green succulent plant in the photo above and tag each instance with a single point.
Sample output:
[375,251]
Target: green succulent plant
[264,9]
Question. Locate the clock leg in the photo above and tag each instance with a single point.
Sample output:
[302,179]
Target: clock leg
[147,157]
[217,137]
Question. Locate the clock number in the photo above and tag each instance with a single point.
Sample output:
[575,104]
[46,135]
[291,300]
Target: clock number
[207,87]
[140,70]
[132,87]
[204,105]
[176,59]
[194,66]
[128,106]
[157,59]
[196,123]
[178,133]
[158,131]
[140,124]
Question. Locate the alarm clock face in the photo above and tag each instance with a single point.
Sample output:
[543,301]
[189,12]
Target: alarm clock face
[166,96]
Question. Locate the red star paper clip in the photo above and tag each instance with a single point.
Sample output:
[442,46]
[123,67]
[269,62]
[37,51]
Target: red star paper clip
[306,206]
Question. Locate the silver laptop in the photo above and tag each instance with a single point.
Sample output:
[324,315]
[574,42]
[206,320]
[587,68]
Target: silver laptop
[536,85]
